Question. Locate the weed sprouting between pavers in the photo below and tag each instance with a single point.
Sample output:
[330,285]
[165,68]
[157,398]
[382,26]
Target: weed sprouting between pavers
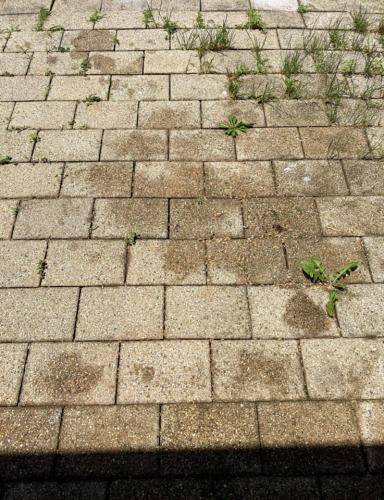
[315,271]
[233,126]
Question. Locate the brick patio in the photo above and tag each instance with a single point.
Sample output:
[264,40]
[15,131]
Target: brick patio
[158,339]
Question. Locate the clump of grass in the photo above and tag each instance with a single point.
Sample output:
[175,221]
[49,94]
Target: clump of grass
[96,17]
[215,39]
[4,160]
[267,95]
[260,60]
[293,88]
[327,61]
[91,98]
[374,62]
[348,67]
[169,26]
[315,271]
[131,238]
[380,27]
[360,20]
[42,16]
[338,37]
[41,268]
[200,23]
[34,137]
[313,43]
[233,87]
[254,21]
[233,126]
[293,63]
[85,65]
[149,17]
[302,9]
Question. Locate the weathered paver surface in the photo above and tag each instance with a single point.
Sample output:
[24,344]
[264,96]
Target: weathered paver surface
[155,323]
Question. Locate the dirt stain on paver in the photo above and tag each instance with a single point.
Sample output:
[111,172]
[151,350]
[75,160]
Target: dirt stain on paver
[67,375]
[93,40]
[302,313]
[258,368]
[182,260]
[145,373]
[103,63]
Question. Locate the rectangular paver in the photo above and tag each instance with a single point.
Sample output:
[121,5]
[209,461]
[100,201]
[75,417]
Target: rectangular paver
[129,428]
[205,145]
[269,144]
[195,219]
[45,115]
[7,217]
[168,179]
[68,145]
[106,114]
[56,218]
[245,179]
[375,254]
[344,368]
[12,358]
[167,372]
[134,145]
[210,426]
[354,216]
[18,261]
[24,180]
[97,179]
[120,313]
[309,437]
[360,312]
[288,313]
[166,262]
[239,261]
[253,370]
[37,314]
[207,312]
[116,218]
[139,87]
[66,373]
[169,114]
[82,262]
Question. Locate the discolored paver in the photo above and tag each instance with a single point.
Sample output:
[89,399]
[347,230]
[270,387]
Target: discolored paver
[117,218]
[284,313]
[344,368]
[256,370]
[200,218]
[127,428]
[66,373]
[166,262]
[289,431]
[97,179]
[169,372]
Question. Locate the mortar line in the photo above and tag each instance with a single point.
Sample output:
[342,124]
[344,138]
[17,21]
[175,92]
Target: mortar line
[23,375]
[117,374]
[76,314]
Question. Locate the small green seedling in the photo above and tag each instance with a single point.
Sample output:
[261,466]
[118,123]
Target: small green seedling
[42,17]
[131,238]
[302,9]
[96,17]
[5,160]
[91,98]
[315,271]
[15,210]
[41,268]
[85,65]
[148,17]
[233,126]
[34,137]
